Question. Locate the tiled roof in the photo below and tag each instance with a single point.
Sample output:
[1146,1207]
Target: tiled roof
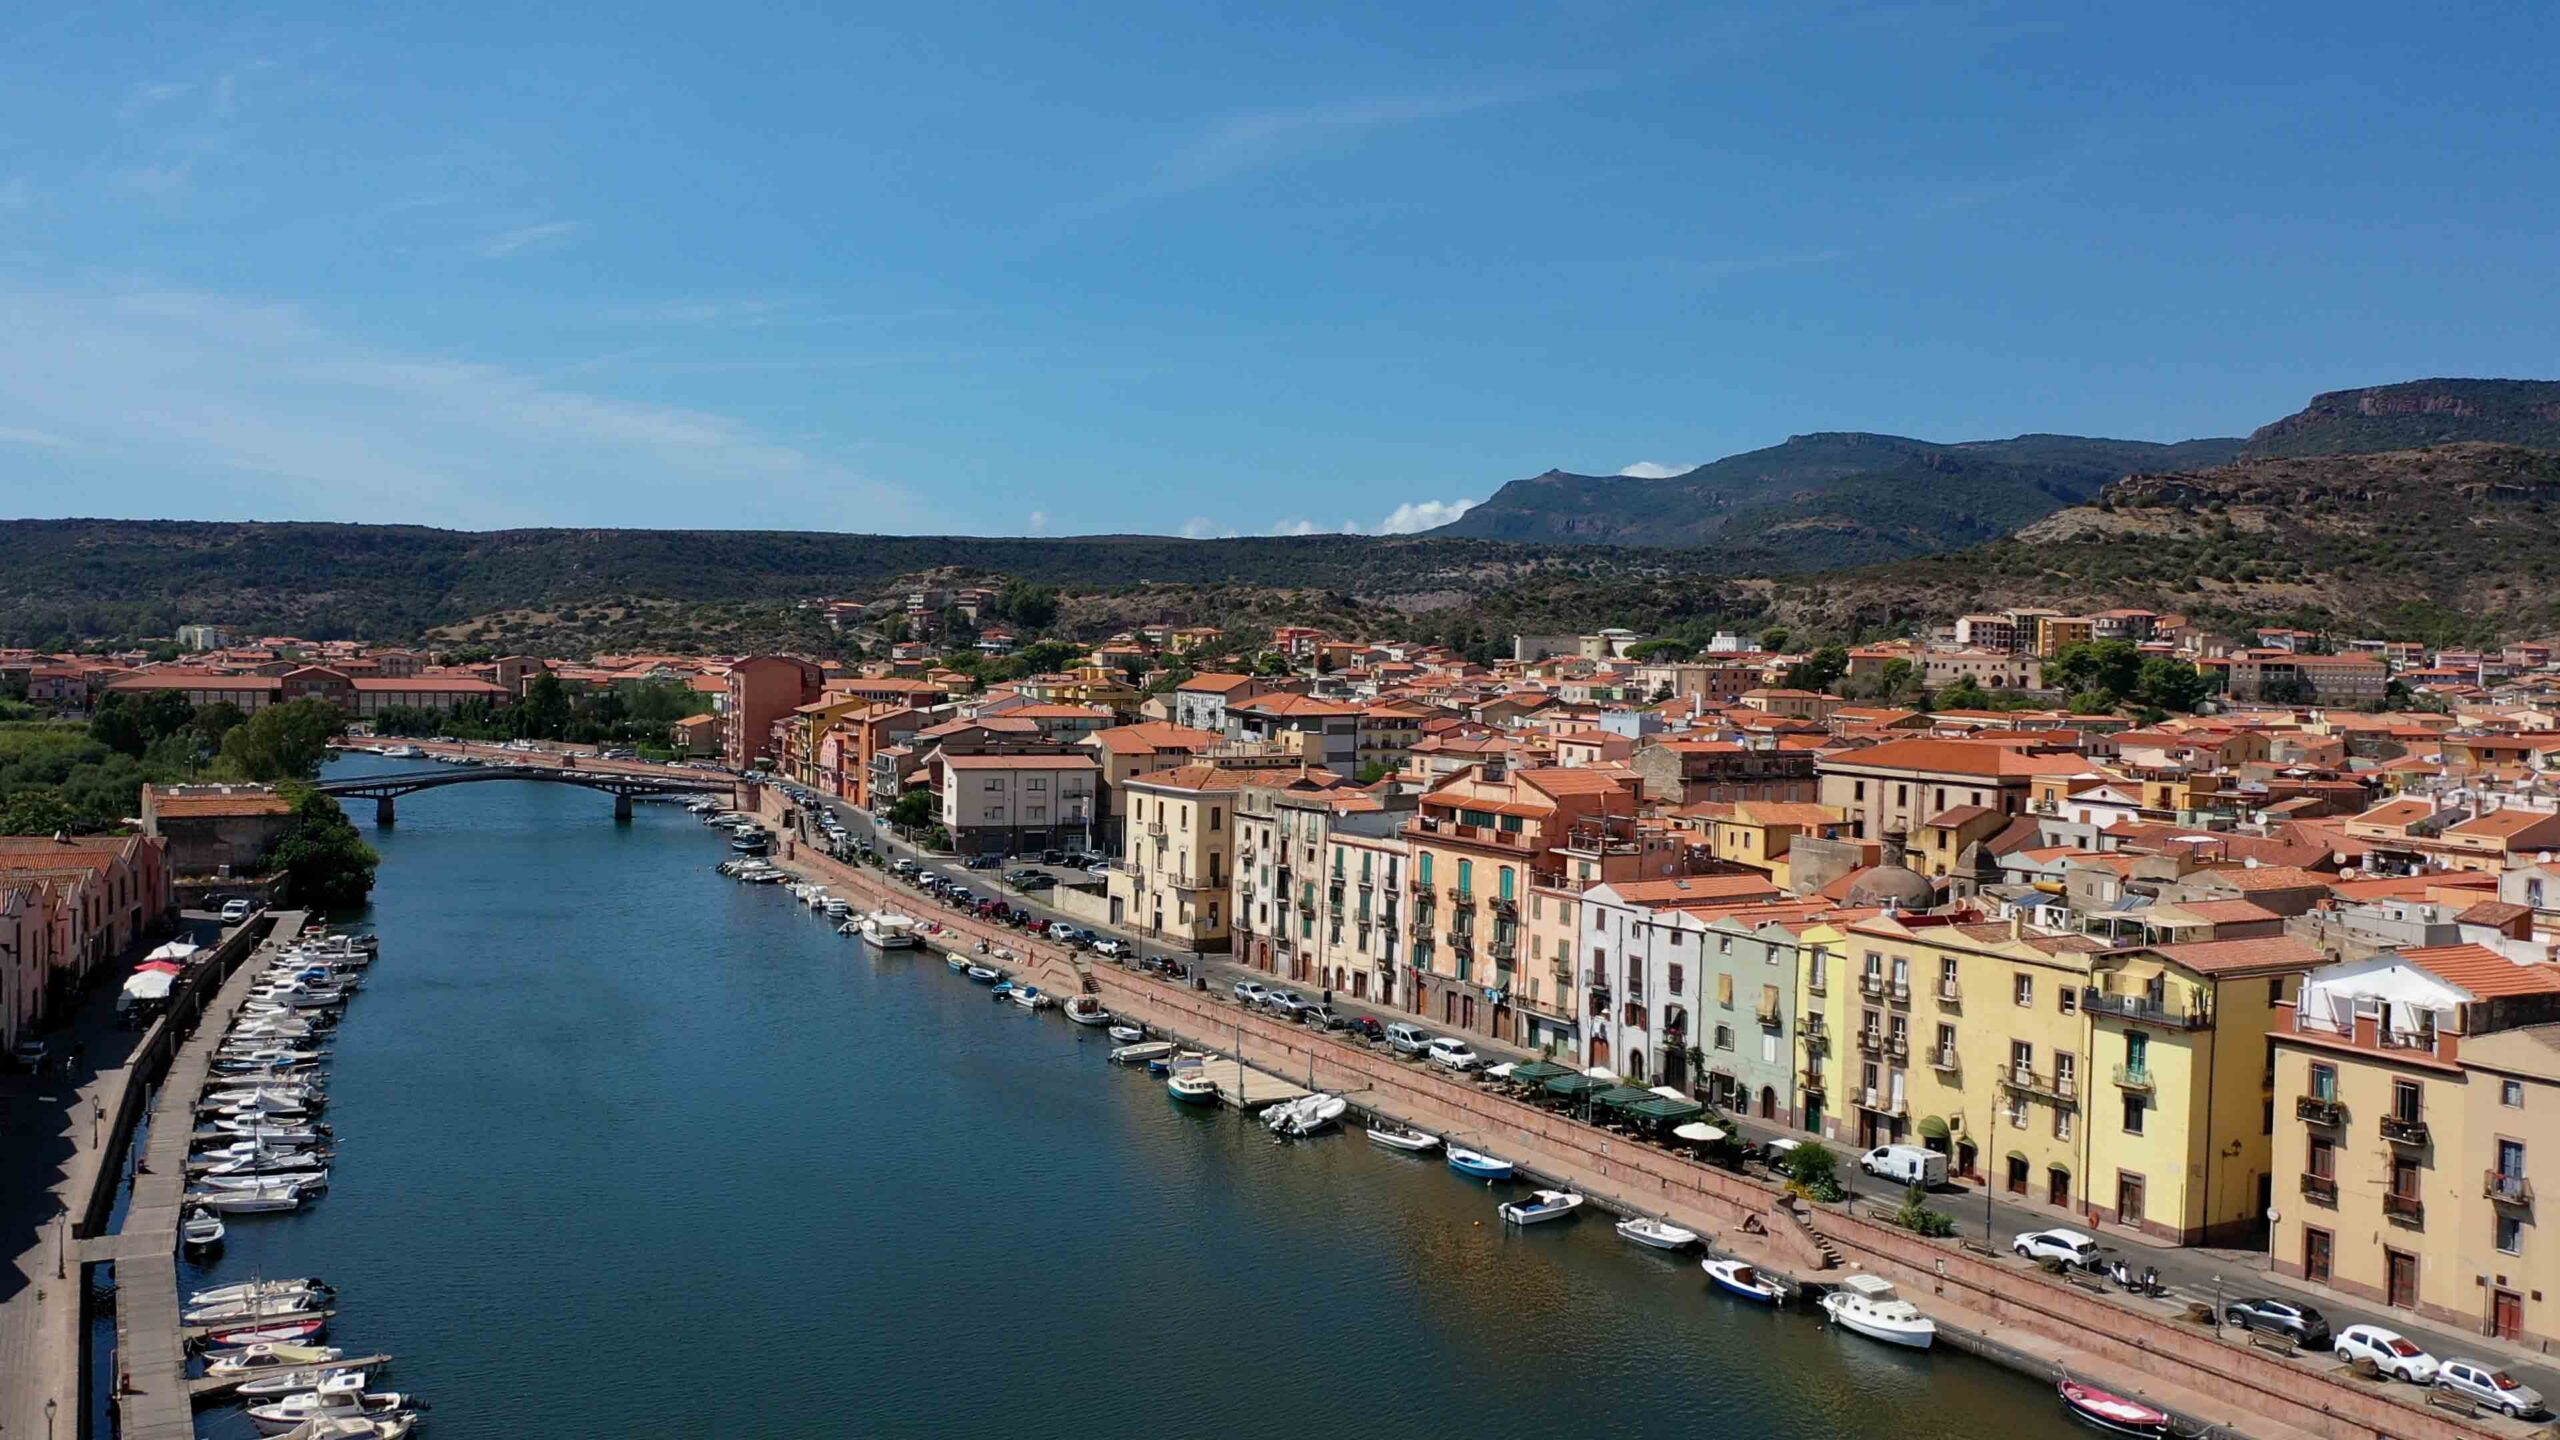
[1076,760]
[2483,971]
[2265,952]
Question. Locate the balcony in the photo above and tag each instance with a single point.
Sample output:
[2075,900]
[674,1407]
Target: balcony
[1460,897]
[2404,1130]
[1562,970]
[1883,1102]
[1505,950]
[2060,1089]
[1899,991]
[1898,1046]
[1768,1012]
[2507,1189]
[1599,1003]
[1420,929]
[2320,1190]
[2134,1077]
[1872,982]
[2319,1110]
[1949,992]
[1817,984]
[1871,1041]
[1943,1060]
[2406,1210]
[1156,828]
[1506,907]
[2143,1010]
[1812,1080]
[1418,886]
[1462,945]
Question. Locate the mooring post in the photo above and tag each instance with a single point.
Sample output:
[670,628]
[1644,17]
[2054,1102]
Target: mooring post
[382,811]
[622,806]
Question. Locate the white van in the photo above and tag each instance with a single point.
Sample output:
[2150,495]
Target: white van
[1906,1165]
[1409,1039]
[1453,1053]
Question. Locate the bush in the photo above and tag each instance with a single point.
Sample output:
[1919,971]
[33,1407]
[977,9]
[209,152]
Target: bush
[1814,1172]
[1916,1216]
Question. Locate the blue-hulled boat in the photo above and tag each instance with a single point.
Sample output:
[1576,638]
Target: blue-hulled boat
[1478,1165]
[1735,1277]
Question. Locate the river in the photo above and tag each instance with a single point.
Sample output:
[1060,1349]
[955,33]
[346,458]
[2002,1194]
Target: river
[626,1149]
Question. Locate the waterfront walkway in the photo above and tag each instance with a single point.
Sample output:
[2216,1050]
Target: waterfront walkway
[154,1401]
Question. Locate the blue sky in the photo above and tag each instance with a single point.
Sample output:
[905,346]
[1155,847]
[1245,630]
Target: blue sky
[1181,268]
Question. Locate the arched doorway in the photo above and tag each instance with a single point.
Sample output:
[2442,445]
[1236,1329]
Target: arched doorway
[1768,1103]
[1599,1049]
[1635,1067]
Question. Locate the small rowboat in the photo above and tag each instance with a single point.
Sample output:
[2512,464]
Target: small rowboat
[1541,1206]
[1128,1034]
[1087,1010]
[287,1334]
[1395,1138]
[1478,1165]
[985,974]
[2112,1412]
[1657,1234]
[203,1230]
[1735,1277]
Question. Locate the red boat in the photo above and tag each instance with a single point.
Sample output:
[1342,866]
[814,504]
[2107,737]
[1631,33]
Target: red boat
[292,1334]
[2113,1412]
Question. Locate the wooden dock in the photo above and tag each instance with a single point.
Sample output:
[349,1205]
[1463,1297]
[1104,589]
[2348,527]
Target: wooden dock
[208,1389]
[156,1402]
[1246,1088]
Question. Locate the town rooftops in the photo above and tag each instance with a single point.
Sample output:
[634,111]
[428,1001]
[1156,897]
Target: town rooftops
[204,802]
[2483,971]
[2259,953]
[1072,760]
[1154,737]
[1214,682]
[1286,705]
[1955,757]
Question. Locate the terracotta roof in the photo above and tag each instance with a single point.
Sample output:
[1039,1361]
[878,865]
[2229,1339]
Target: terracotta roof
[1153,737]
[1955,757]
[1958,817]
[2483,971]
[244,802]
[2493,912]
[2267,877]
[1195,777]
[1214,683]
[1076,760]
[1680,890]
[2502,823]
[2264,952]
[2226,912]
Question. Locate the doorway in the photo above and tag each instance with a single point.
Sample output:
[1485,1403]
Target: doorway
[2316,1247]
[2057,1187]
[2129,1200]
[2400,1288]
[2506,1314]
[2017,1180]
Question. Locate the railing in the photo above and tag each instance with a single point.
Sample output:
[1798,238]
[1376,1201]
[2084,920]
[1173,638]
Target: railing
[2406,1039]
[1872,982]
[1944,1059]
[1419,927]
[2051,1087]
[2320,1189]
[1563,971]
[2404,1129]
[1817,985]
[2142,1009]
[2134,1077]
[1898,1046]
[2403,1209]
[1949,992]
[1507,908]
[1901,992]
[2319,1111]
[1506,951]
[1812,1079]
[1156,828]
[2507,1189]
[1884,1103]
[1768,1012]
[1871,1041]
[1457,896]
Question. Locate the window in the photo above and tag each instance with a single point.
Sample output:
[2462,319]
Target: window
[2133,1114]
[1215,815]
[2022,1057]
[2324,1082]
[992,784]
[2508,1235]
[1816,964]
[2025,990]
[2404,1100]
[1675,979]
[2070,999]
[1035,783]
[1724,1037]
[2323,1159]
[1724,991]
[2511,1094]
[2062,1121]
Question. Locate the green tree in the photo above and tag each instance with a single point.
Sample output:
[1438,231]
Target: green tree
[1817,670]
[1916,1216]
[1651,651]
[283,742]
[1813,1169]
[1774,639]
[326,865]
[1963,693]
[543,713]
[2111,667]
[37,812]
[2170,684]
[1033,607]
[912,808]
[1044,657]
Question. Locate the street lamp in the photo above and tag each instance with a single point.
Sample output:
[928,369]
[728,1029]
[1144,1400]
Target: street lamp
[2217,1303]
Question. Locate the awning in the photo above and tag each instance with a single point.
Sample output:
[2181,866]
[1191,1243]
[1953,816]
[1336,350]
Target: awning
[158,967]
[1538,1072]
[1659,1108]
[1502,1071]
[150,985]
[1619,1097]
[1570,1086]
[1602,1072]
[1667,1093]
[2018,1155]
[181,951]
[1933,1128]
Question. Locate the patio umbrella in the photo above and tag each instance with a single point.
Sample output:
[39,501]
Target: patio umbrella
[1699,1132]
[158,967]
[1602,1072]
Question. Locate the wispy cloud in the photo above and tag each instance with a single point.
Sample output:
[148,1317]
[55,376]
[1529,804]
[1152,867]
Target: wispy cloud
[1416,515]
[41,439]
[545,235]
[193,404]
[1198,527]
[1037,522]
[141,100]
[1654,470]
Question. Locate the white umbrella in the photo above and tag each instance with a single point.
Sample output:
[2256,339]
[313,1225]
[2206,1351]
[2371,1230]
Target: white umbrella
[1700,1132]
[1667,1093]
[1602,1072]
[1501,1071]
[180,951]
[149,985]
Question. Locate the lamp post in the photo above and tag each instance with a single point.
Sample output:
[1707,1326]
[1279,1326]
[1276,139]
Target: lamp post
[49,1405]
[2217,1303]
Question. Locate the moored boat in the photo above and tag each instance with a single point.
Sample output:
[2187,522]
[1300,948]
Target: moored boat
[294,1382]
[1540,1207]
[1030,998]
[889,930]
[291,1332]
[1738,1278]
[1142,1052]
[1869,1305]
[1192,1087]
[2112,1412]
[1087,1010]
[203,1230]
[1656,1234]
[1128,1034]
[253,1357]
[1306,1115]
[985,974]
[1478,1165]
[1396,1137]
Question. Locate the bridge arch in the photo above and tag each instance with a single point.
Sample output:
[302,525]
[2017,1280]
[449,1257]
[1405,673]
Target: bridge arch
[385,790]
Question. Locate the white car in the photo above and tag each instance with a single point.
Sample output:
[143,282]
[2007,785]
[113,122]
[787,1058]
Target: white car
[2068,1246]
[2482,1385]
[2394,1354]
[1113,949]
[234,911]
[1451,1052]
[1252,992]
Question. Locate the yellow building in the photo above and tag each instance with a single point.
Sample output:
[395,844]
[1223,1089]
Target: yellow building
[1758,833]
[2410,1090]
[2053,632]
[1177,856]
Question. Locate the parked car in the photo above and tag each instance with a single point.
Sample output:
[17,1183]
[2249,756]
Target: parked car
[985,862]
[1452,1053]
[1038,926]
[1066,934]
[234,911]
[2394,1354]
[1099,872]
[1252,992]
[1110,949]
[960,895]
[2068,1246]
[2481,1384]
[2305,1325]
[1364,1027]
[1906,1165]
[1286,1003]
[27,1054]
[1408,1039]
[1033,880]
[1053,857]
[1319,1017]
[902,866]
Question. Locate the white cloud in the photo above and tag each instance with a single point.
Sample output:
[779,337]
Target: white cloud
[1198,527]
[1654,470]
[202,406]
[1299,526]
[1039,522]
[529,237]
[41,439]
[1415,515]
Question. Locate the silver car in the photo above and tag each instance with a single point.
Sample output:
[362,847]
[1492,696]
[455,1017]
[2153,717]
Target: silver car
[2485,1385]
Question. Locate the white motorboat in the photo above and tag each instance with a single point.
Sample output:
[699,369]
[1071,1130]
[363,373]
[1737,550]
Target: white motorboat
[1192,1087]
[1740,1278]
[266,1200]
[1396,1137]
[1030,998]
[1540,1207]
[256,1309]
[334,1401]
[309,1177]
[889,930]
[253,1357]
[1656,1234]
[838,907]
[295,1382]
[255,1289]
[1306,1115]
[1142,1052]
[202,1230]
[985,974]
[372,1427]
[1869,1305]
[1087,1010]
[1128,1034]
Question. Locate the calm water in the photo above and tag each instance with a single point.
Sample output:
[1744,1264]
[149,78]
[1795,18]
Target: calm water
[626,1149]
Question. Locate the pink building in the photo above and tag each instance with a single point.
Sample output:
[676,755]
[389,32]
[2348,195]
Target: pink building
[763,690]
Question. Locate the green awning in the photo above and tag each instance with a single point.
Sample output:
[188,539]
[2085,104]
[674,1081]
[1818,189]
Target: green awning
[1538,1072]
[1933,1128]
[1663,1107]
[1575,1085]
[1621,1097]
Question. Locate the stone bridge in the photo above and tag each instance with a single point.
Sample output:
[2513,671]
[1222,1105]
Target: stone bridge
[385,790]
